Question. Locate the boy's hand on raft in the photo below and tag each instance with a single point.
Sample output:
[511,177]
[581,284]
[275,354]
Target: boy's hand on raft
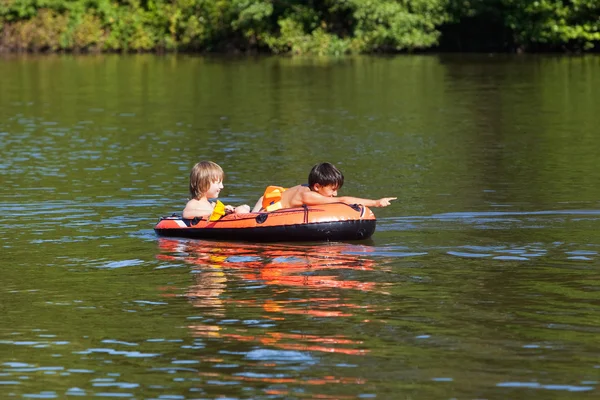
[243,209]
[384,202]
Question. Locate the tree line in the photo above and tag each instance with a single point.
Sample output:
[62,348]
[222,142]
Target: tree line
[321,27]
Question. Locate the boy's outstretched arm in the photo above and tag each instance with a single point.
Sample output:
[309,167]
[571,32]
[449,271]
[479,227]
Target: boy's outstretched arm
[383,202]
[314,199]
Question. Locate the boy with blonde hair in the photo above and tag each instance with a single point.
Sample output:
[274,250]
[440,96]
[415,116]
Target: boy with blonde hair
[206,181]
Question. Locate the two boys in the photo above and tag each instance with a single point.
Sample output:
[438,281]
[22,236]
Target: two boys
[324,180]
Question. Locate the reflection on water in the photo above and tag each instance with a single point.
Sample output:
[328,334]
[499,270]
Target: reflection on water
[298,279]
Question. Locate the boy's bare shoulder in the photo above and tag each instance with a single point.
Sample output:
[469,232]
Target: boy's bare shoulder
[293,196]
[299,188]
[295,191]
[197,208]
[193,203]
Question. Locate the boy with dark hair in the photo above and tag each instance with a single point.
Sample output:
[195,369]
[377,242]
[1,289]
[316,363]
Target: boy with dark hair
[324,180]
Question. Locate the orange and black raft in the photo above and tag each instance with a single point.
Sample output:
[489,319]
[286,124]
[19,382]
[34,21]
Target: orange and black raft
[334,222]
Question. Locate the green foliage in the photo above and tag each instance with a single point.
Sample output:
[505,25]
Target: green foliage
[396,25]
[296,26]
[555,23]
[292,38]
[336,27]
[535,24]
[42,32]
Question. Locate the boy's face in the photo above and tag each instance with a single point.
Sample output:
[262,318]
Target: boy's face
[214,189]
[327,191]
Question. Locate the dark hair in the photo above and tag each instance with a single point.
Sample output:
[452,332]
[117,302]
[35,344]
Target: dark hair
[325,174]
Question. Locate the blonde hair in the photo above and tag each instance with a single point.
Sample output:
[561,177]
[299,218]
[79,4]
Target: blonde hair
[202,175]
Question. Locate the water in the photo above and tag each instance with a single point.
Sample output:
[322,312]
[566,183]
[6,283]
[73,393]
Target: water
[481,281]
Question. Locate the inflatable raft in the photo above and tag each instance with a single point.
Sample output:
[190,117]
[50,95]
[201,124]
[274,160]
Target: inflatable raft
[334,222]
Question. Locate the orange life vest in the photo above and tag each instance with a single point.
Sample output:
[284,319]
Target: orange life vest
[272,198]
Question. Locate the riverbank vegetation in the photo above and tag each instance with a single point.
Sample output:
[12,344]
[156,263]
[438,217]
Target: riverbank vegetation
[324,27]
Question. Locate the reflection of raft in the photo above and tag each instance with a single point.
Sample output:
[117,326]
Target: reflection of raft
[335,221]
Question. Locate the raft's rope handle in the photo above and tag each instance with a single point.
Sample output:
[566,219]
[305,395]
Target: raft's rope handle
[362,211]
[195,220]
[355,207]
[261,218]
[305,213]
[359,208]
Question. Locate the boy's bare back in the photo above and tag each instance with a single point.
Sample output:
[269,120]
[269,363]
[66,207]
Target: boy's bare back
[293,196]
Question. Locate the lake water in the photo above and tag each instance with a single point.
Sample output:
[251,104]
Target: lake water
[482,281]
